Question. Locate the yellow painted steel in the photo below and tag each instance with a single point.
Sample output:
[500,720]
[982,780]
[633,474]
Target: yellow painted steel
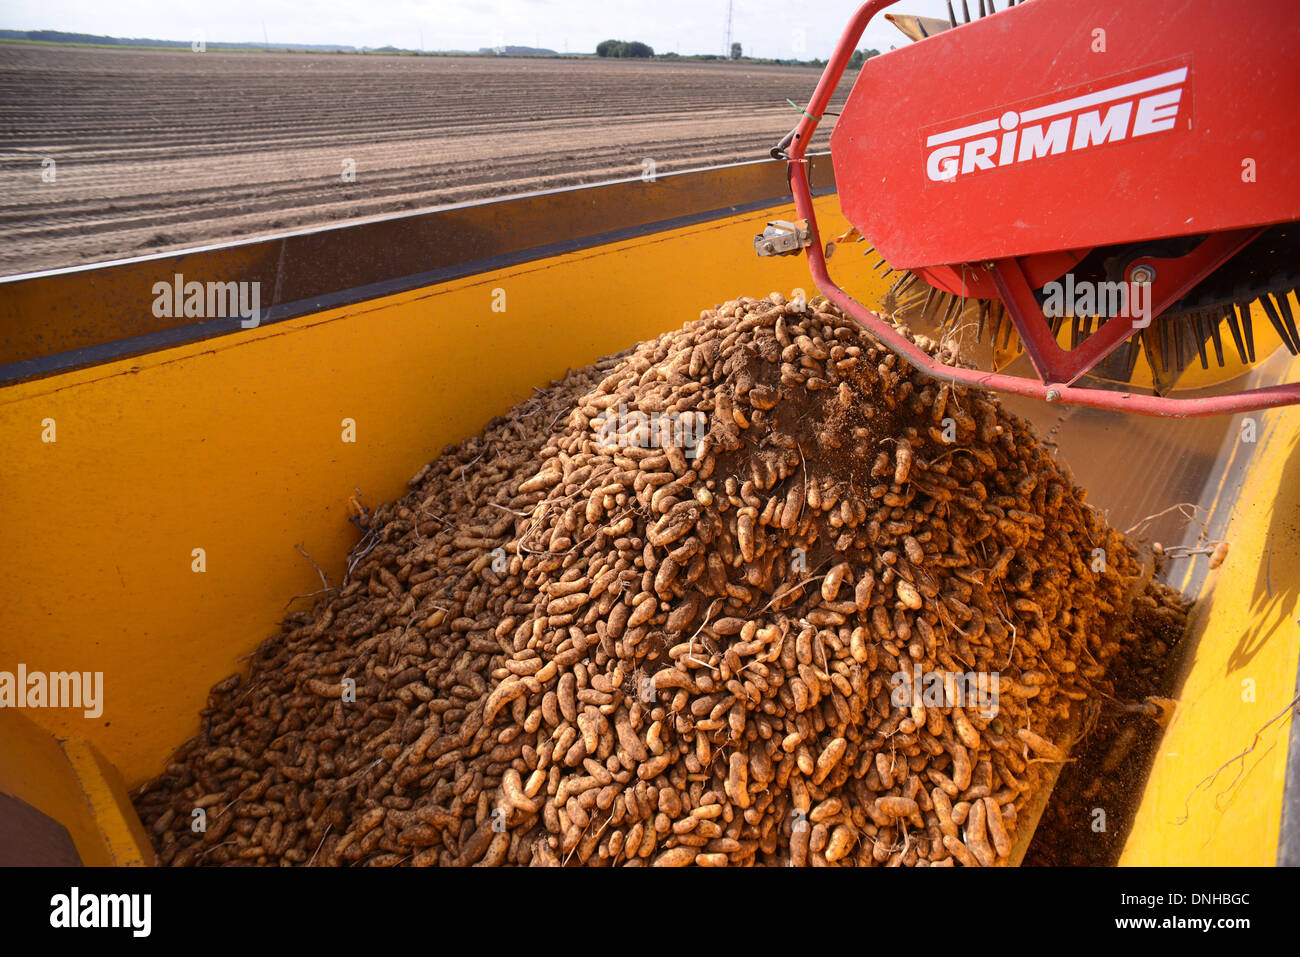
[236,447]
[120,832]
[73,784]
[1215,792]
[227,454]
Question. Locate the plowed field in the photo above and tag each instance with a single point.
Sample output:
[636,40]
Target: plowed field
[155,150]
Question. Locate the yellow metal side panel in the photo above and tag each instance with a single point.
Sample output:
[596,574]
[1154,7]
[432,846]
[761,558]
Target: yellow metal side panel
[118,826]
[34,769]
[236,447]
[73,784]
[1215,792]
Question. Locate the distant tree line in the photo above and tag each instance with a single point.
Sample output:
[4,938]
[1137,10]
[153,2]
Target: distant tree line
[860,57]
[517,51]
[618,48]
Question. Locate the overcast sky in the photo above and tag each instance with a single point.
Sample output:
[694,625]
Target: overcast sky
[766,28]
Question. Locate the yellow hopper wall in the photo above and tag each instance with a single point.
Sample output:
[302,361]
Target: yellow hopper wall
[236,446]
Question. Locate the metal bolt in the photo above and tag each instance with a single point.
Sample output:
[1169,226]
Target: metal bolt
[1053,395]
[1143,275]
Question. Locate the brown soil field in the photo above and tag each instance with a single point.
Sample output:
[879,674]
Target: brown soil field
[158,150]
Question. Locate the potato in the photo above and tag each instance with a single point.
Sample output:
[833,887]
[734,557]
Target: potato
[975,839]
[577,643]
[841,842]
[997,828]
[943,811]
[960,851]
[829,757]
[831,583]
[676,857]
[1041,746]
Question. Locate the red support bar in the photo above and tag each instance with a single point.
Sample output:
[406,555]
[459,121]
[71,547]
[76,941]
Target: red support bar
[1173,279]
[1249,401]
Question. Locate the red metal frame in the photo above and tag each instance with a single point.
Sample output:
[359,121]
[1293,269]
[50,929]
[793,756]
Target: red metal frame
[1173,279]
[1057,368]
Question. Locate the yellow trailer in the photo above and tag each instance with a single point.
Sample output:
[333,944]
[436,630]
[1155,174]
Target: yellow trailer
[170,481]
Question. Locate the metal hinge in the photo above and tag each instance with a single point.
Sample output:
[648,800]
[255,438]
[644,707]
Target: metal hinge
[782,238]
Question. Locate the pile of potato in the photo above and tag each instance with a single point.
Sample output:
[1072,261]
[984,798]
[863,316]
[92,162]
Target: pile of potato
[570,646]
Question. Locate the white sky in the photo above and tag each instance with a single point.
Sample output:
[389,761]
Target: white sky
[766,28]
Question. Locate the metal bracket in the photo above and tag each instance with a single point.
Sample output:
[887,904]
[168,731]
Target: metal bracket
[782,238]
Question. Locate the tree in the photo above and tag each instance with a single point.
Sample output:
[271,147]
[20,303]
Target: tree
[860,57]
[736,51]
[617,48]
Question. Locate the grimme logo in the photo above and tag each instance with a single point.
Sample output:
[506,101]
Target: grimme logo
[1139,108]
[946,689]
[75,909]
[1126,300]
[58,689]
[213,300]
[658,431]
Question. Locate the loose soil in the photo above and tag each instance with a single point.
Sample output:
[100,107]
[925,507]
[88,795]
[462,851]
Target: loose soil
[158,150]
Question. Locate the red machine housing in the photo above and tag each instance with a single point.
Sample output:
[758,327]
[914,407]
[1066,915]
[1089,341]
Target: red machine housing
[992,157]
[1190,100]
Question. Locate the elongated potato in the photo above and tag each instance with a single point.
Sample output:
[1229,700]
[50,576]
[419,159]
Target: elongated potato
[960,851]
[1041,746]
[975,838]
[676,857]
[685,606]
[997,828]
